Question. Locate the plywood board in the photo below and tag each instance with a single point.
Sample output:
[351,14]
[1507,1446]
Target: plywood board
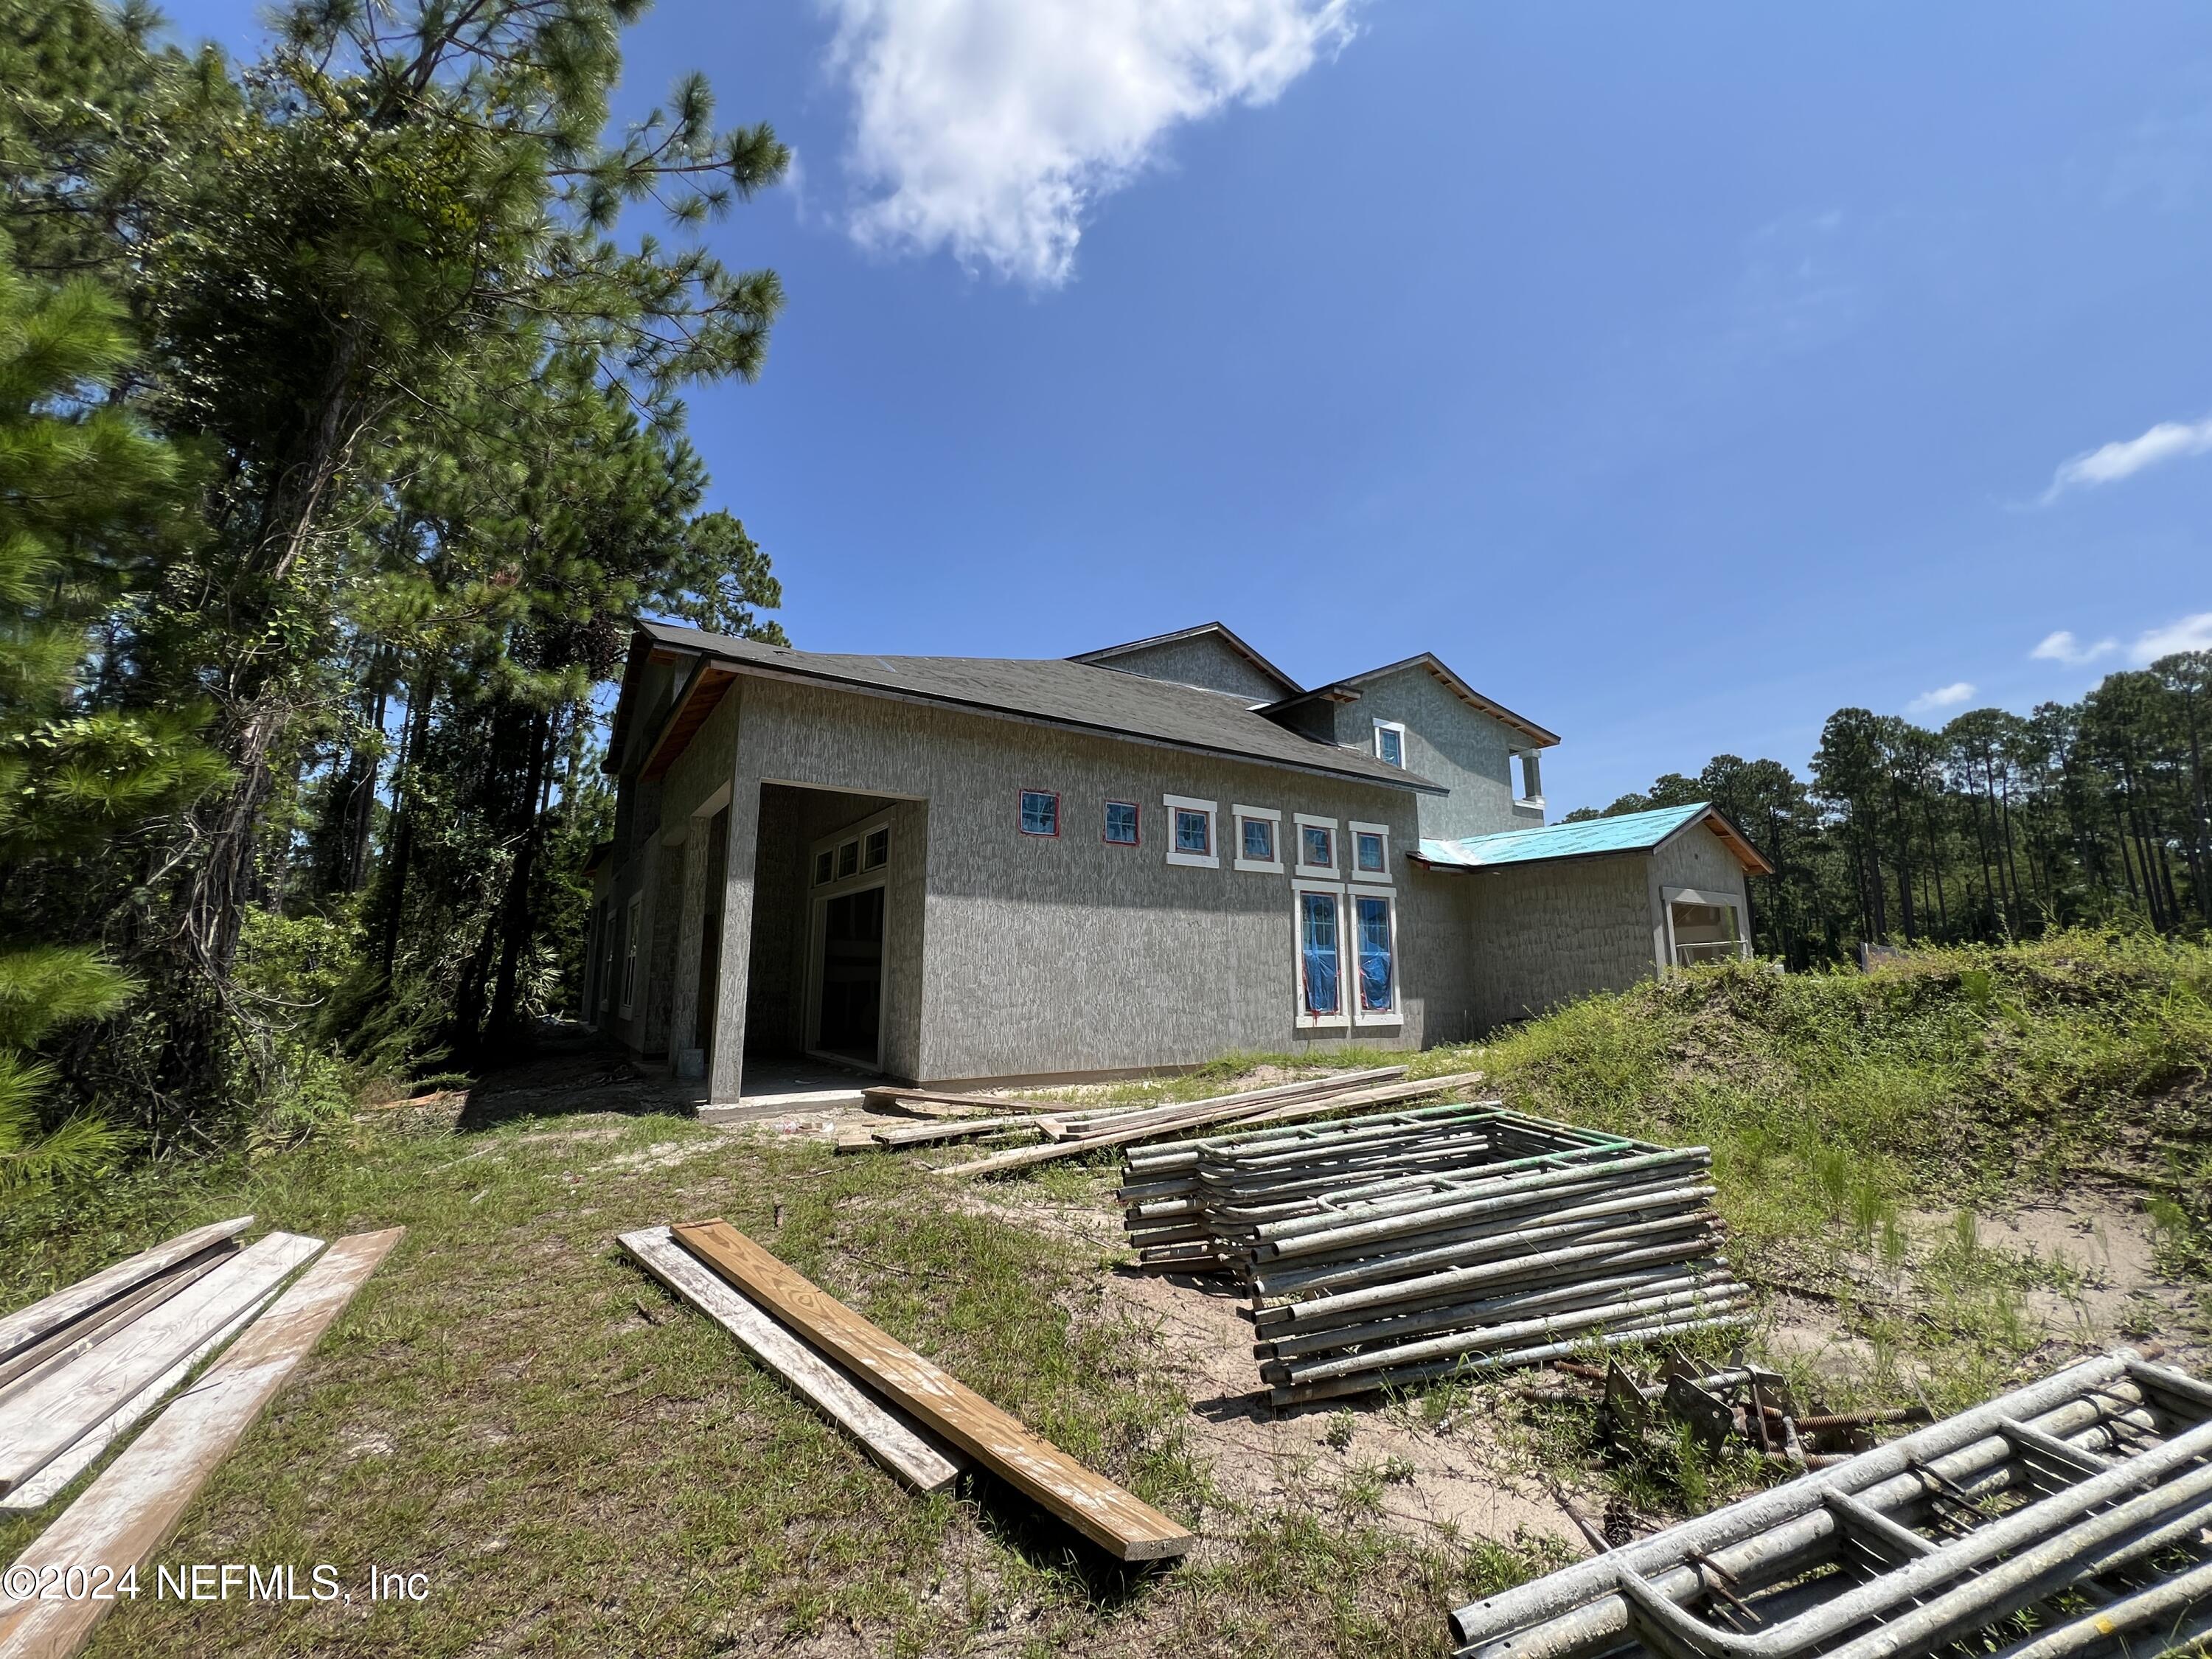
[59,1347]
[1116,1521]
[131,1511]
[889,1438]
[45,1418]
[27,1325]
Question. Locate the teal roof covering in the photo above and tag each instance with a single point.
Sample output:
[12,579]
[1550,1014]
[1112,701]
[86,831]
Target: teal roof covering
[1631,832]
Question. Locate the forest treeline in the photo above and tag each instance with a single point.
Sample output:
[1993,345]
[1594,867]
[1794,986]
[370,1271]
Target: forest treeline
[342,433]
[1997,826]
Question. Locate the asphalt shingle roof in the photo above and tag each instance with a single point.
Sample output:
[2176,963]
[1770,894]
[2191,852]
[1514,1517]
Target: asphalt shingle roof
[1064,693]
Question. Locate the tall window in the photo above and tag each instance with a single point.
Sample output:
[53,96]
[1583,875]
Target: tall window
[629,958]
[1378,968]
[1122,823]
[1040,812]
[1319,954]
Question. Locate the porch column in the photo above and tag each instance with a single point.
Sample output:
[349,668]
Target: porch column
[735,974]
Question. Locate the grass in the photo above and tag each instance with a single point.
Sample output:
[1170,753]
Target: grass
[582,1466]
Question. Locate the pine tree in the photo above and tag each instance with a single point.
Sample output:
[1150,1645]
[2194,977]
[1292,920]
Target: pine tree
[89,505]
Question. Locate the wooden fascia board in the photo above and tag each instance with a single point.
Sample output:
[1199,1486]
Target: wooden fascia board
[1754,861]
[1408,781]
[709,681]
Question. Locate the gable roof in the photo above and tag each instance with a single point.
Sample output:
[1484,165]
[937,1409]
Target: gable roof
[1051,691]
[1347,690]
[1103,657]
[1629,832]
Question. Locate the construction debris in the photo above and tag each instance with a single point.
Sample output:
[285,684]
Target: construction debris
[1405,1246]
[1324,1096]
[2066,1518]
[85,1398]
[935,1400]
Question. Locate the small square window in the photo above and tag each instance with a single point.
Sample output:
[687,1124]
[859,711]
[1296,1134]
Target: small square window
[1193,832]
[1317,846]
[1260,841]
[848,859]
[1121,823]
[1368,852]
[822,865]
[1040,812]
[877,851]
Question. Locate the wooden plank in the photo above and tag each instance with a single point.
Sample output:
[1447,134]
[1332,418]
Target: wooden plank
[923,1133]
[1023,1157]
[131,1511]
[1176,1111]
[72,1302]
[1115,1520]
[79,1334]
[43,1420]
[889,1438]
[892,1094]
[42,1488]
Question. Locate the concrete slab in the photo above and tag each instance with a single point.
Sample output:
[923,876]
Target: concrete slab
[774,1087]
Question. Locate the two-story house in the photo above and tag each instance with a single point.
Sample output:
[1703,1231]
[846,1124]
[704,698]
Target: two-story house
[960,870]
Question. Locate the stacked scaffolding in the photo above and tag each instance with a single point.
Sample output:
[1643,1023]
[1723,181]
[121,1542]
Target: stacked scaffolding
[1400,1248]
[2065,1520]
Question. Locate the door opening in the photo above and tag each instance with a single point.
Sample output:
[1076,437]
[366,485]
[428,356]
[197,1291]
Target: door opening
[851,995]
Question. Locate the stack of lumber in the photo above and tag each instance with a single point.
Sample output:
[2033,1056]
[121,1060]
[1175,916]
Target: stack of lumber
[1394,1248]
[80,1369]
[916,1419]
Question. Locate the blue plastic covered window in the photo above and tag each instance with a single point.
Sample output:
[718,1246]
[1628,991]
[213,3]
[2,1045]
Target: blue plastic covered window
[1317,944]
[1260,841]
[1040,813]
[1121,823]
[1368,850]
[1377,988]
[1320,846]
[1193,832]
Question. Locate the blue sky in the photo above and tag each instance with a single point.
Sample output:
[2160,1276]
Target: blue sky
[1678,374]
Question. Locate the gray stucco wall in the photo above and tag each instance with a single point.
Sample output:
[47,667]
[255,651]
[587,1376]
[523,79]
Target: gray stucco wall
[1207,660]
[1447,741]
[1542,934]
[1698,859]
[1052,956]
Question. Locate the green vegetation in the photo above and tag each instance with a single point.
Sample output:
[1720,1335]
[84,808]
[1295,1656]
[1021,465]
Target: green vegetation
[342,433]
[1998,827]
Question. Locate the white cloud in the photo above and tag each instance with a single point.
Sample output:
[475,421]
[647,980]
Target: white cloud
[1943,697]
[988,127]
[2168,441]
[2063,646]
[2188,634]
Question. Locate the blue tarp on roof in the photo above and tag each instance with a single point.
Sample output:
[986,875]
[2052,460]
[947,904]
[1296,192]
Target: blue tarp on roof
[1631,832]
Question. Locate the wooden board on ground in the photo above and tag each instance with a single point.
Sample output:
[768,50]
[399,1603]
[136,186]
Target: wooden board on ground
[130,1511]
[27,1325]
[1174,1112]
[923,1133]
[890,1097]
[55,1408]
[891,1439]
[1250,1113]
[73,1338]
[1115,1520]
[48,1484]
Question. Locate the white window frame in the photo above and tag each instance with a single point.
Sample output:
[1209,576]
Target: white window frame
[1209,860]
[1671,897]
[1395,1014]
[1258,866]
[1353,831]
[1399,726]
[1329,872]
[631,922]
[1345,993]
